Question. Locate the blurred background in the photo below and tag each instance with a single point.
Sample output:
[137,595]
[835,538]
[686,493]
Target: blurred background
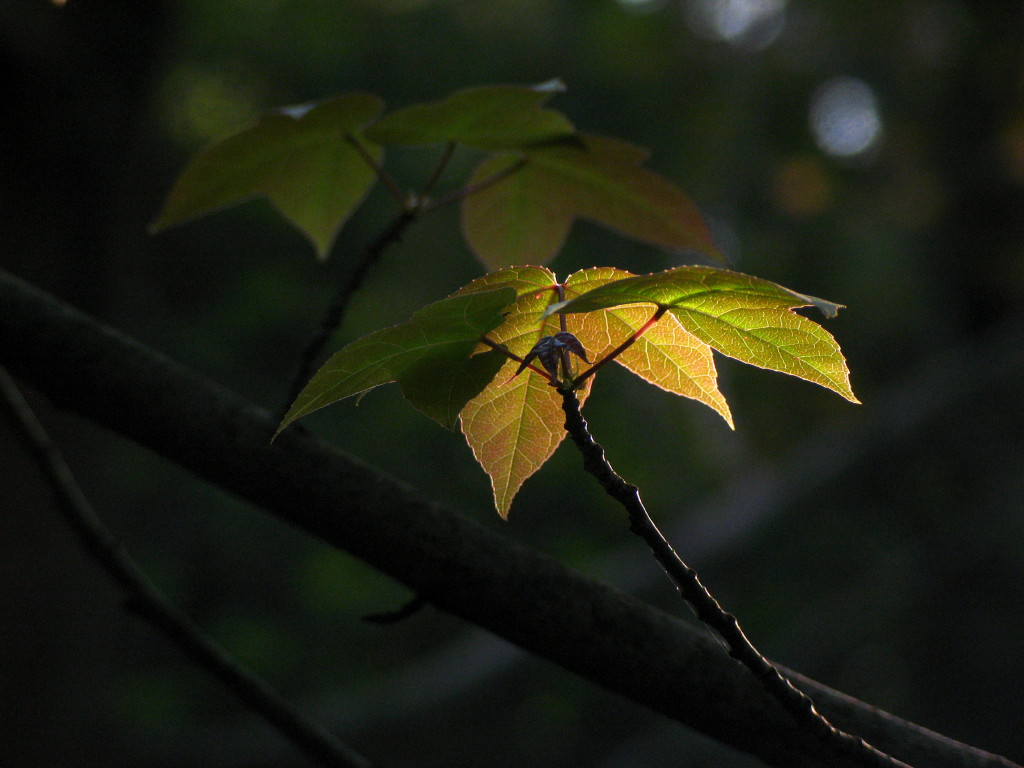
[868,152]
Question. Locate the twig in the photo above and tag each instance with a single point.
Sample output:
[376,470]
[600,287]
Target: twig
[707,608]
[658,314]
[411,607]
[336,311]
[459,194]
[386,178]
[513,356]
[146,600]
[449,150]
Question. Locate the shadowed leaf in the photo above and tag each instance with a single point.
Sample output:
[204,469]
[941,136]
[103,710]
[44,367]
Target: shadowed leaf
[527,216]
[741,316]
[302,160]
[430,357]
[490,117]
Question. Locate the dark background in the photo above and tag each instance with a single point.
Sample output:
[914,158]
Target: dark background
[877,548]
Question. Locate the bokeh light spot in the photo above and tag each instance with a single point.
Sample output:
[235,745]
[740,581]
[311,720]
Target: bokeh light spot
[752,24]
[844,117]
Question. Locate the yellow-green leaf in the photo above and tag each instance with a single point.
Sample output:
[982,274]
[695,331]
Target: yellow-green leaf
[741,316]
[431,357]
[666,355]
[528,214]
[302,159]
[516,423]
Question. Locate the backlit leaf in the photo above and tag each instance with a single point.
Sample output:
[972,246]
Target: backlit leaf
[741,316]
[666,355]
[528,214]
[490,117]
[302,160]
[430,357]
[516,423]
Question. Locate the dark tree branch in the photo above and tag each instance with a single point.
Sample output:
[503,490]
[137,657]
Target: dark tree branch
[708,610]
[458,565]
[146,600]
[336,311]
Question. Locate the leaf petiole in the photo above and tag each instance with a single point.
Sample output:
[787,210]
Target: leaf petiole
[513,356]
[658,314]
[435,176]
[472,189]
[406,201]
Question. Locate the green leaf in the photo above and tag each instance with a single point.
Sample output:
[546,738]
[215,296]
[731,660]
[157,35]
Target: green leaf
[490,117]
[666,355]
[303,160]
[741,316]
[528,214]
[431,358]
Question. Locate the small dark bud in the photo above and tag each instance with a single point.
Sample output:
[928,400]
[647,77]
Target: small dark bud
[549,351]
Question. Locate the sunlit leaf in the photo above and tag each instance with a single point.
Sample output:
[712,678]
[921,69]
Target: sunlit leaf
[490,117]
[741,316]
[666,355]
[527,216]
[516,423]
[303,160]
[430,357]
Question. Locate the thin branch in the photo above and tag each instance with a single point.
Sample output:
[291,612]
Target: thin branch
[404,201]
[566,362]
[707,608]
[335,313]
[472,189]
[449,150]
[146,600]
[658,313]
[411,607]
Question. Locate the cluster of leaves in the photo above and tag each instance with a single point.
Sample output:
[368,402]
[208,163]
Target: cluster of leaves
[468,359]
[317,162]
[457,360]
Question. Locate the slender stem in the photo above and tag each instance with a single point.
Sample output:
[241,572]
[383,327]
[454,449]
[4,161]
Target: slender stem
[619,349]
[332,318]
[707,608]
[404,200]
[413,605]
[472,189]
[566,363]
[513,356]
[438,170]
[146,600]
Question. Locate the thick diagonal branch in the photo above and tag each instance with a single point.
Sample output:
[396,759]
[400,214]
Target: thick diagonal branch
[707,608]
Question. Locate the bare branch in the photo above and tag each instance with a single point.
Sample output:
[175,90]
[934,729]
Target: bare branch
[708,610]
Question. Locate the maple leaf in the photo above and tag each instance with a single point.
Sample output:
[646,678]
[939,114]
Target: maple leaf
[741,316]
[303,159]
[430,357]
[530,212]
[516,422]
[486,117]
